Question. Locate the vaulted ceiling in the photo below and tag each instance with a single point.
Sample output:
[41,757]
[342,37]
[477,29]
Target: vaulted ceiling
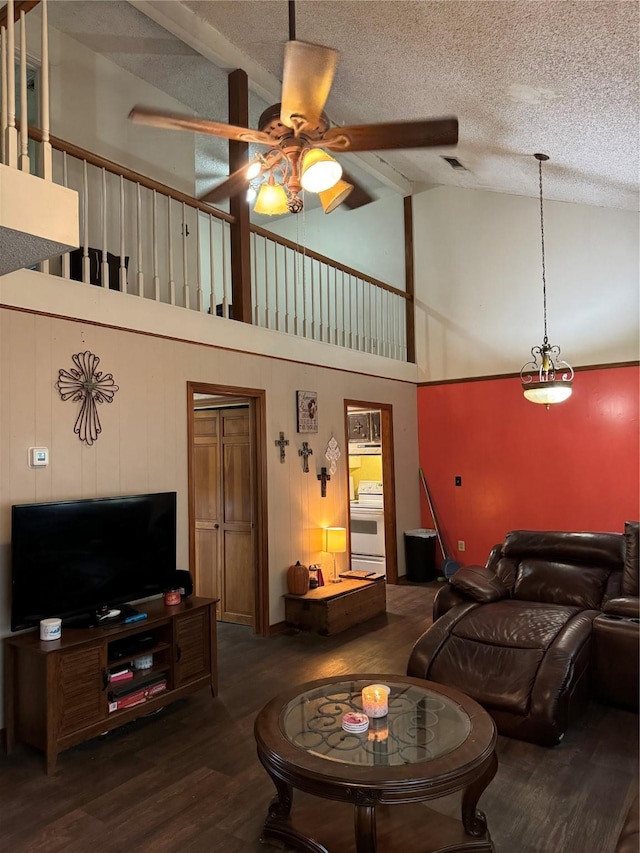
[554,76]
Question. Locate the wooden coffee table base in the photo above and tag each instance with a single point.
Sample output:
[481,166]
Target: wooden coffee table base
[320,826]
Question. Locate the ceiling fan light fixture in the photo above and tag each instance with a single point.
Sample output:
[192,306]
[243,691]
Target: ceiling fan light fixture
[320,171]
[253,170]
[272,199]
[335,195]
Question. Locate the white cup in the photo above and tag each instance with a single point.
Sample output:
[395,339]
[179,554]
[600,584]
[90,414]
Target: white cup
[50,629]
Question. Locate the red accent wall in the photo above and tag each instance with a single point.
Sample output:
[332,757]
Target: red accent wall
[572,467]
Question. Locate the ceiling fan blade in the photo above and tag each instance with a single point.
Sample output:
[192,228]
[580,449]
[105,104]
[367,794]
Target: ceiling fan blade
[399,134]
[358,197]
[175,121]
[306,83]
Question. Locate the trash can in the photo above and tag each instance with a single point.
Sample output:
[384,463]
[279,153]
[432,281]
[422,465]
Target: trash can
[420,555]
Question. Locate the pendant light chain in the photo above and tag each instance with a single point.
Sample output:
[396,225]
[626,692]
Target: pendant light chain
[544,277]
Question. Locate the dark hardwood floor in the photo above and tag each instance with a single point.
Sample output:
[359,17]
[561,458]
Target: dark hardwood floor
[187,779]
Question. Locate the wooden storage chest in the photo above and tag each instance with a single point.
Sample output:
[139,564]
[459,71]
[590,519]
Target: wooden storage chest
[336,607]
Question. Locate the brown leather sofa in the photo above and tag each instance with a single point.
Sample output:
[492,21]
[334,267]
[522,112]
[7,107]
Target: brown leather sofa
[516,634]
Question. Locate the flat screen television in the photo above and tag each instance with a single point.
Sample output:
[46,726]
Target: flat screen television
[71,558]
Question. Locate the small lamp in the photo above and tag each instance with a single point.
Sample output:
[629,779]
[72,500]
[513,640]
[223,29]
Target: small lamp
[272,199]
[319,171]
[334,196]
[335,542]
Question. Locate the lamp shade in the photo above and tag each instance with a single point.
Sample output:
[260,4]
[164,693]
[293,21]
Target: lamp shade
[547,393]
[335,539]
[319,171]
[334,196]
[272,200]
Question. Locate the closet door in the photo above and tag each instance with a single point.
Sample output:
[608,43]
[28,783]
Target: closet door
[207,489]
[238,548]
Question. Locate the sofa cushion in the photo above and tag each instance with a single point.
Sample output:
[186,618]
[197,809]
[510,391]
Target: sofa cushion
[593,549]
[480,583]
[630,572]
[525,625]
[561,583]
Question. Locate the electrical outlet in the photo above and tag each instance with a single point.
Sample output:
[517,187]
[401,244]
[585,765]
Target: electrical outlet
[458,481]
[461,545]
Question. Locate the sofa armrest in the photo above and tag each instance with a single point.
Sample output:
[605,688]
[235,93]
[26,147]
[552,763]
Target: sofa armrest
[446,598]
[630,835]
[479,583]
[627,606]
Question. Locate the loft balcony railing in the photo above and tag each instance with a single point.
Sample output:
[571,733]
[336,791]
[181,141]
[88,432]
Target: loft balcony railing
[141,237]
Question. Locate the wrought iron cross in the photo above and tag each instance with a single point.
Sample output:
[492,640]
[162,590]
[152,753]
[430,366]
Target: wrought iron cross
[306,452]
[323,477]
[282,442]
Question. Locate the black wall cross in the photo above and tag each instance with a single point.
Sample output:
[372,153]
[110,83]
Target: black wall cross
[282,442]
[306,452]
[323,477]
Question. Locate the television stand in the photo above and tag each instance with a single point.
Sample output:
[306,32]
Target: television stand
[60,693]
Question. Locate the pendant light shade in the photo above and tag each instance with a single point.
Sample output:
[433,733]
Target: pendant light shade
[546,379]
[319,171]
[334,196]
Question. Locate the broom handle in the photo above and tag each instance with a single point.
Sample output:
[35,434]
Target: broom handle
[433,514]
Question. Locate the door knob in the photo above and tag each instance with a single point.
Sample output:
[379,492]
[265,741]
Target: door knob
[216,526]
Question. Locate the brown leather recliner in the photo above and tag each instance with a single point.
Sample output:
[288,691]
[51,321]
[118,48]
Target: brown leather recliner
[516,634]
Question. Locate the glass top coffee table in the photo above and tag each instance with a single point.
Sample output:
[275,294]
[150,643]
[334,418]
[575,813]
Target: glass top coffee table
[433,741]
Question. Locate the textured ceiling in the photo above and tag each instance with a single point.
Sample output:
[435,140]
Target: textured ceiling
[554,76]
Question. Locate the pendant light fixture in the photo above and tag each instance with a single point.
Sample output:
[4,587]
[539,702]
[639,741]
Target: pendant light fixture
[547,378]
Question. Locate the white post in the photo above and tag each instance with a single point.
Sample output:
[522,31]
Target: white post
[172,284]
[122,271]
[104,267]
[140,276]
[66,258]
[156,277]
[86,271]
[199,301]
[212,292]
[11,143]
[46,167]
[186,297]
[24,114]
[3,102]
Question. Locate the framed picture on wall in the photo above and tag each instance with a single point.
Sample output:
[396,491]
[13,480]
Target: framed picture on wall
[307,411]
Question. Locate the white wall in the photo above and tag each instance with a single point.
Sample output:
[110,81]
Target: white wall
[478,281]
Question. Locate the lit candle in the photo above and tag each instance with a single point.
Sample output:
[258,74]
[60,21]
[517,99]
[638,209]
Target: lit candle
[375,700]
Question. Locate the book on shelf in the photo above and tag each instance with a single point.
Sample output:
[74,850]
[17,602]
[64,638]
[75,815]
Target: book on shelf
[121,675]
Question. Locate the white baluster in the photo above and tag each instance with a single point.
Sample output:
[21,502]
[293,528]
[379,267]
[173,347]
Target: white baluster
[156,274]
[66,257]
[3,97]
[287,316]
[199,301]
[186,296]
[24,113]
[46,164]
[122,271]
[104,268]
[267,301]
[254,279]
[140,274]
[11,137]
[86,270]
[225,277]
[277,284]
[172,284]
[212,293]
[295,292]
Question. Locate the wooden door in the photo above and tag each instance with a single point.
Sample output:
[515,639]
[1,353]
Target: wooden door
[238,592]
[206,472]
[223,471]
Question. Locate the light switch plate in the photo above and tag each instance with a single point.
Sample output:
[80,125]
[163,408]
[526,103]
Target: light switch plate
[38,457]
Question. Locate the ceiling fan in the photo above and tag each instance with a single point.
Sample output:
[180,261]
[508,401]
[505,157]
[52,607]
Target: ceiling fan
[298,134]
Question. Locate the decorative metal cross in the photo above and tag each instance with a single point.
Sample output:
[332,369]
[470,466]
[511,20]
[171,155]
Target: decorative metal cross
[323,477]
[306,452]
[85,383]
[282,442]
